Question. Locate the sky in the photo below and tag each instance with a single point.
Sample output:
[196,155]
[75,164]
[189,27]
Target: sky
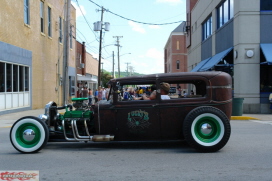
[142,44]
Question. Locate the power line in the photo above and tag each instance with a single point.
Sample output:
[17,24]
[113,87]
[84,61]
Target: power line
[135,20]
[86,19]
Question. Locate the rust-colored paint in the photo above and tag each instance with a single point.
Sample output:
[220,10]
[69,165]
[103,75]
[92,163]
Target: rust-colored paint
[161,119]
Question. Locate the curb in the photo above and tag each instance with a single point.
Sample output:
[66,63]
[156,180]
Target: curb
[243,118]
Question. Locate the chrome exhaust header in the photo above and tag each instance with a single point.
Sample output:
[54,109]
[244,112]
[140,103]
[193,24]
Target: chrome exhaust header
[77,137]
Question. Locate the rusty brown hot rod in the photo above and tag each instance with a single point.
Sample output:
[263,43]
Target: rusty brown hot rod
[201,118]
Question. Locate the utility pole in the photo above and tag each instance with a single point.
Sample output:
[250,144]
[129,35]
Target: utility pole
[100,50]
[118,46]
[98,26]
[127,68]
[131,70]
[113,64]
[66,52]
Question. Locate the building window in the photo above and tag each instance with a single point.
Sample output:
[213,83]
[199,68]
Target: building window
[72,87]
[60,29]
[26,86]
[9,78]
[177,45]
[207,28]
[177,64]
[42,16]
[224,12]
[26,12]
[49,23]
[2,77]
[266,5]
[13,78]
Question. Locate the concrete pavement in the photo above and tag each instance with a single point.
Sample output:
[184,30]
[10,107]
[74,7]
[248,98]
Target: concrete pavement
[7,120]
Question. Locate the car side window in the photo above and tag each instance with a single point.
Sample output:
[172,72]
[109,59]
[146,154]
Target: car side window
[136,92]
[184,90]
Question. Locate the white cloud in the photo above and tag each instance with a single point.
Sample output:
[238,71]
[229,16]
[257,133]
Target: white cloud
[154,53]
[150,63]
[136,27]
[78,10]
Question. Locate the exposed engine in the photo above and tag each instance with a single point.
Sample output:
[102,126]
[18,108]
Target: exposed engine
[80,104]
[74,125]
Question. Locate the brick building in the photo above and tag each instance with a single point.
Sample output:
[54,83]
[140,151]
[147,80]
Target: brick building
[87,68]
[175,51]
[31,53]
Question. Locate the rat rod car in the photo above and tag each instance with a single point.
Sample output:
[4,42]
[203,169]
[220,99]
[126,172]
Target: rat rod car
[201,119]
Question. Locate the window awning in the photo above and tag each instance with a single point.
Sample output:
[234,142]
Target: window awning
[267,51]
[214,60]
[86,78]
[200,64]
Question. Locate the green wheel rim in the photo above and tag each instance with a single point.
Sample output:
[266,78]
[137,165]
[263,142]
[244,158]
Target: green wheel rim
[25,143]
[214,132]
[212,135]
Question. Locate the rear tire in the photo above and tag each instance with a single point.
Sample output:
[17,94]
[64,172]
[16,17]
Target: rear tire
[207,129]
[29,134]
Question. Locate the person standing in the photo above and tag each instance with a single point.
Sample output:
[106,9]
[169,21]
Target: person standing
[141,91]
[179,91]
[85,92]
[90,96]
[96,96]
[108,91]
[99,93]
[104,93]
[184,94]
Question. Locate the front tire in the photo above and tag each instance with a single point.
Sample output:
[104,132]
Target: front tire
[207,129]
[29,134]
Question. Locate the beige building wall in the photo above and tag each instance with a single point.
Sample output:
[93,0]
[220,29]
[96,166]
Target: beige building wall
[47,52]
[92,69]
[91,64]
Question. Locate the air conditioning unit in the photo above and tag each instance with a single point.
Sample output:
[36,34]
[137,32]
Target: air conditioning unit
[82,65]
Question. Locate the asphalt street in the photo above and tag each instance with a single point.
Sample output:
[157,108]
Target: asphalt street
[247,156]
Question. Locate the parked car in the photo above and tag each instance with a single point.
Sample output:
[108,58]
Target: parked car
[202,119]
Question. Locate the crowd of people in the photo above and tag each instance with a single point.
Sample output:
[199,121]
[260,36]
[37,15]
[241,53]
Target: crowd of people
[130,93]
[99,94]
[184,93]
[146,93]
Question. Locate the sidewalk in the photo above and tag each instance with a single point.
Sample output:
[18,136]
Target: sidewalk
[7,120]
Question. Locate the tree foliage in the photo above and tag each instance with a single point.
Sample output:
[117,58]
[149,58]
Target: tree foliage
[105,78]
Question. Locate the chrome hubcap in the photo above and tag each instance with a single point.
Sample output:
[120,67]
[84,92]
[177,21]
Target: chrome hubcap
[29,135]
[206,128]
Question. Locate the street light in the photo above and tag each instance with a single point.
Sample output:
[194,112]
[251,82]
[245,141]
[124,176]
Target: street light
[119,62]
[114,63]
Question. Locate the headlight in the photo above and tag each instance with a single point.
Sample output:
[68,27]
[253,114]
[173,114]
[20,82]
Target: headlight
[43,117]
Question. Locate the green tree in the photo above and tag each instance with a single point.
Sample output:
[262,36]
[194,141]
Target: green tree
[105,78]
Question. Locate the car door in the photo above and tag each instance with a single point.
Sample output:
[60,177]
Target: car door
[172,112]
[137,120]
